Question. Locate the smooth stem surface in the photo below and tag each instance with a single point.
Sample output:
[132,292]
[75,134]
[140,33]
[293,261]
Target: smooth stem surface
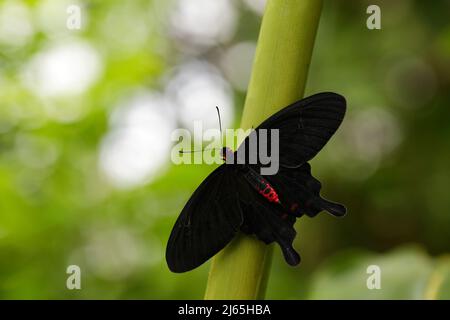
[280,69]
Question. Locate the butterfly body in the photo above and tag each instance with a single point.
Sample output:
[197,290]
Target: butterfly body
[236,196]
[261,185]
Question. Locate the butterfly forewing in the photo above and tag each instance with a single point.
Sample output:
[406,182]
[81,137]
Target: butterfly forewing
[304,127]
[209,220]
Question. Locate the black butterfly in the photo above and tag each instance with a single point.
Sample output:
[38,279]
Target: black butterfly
[237,197]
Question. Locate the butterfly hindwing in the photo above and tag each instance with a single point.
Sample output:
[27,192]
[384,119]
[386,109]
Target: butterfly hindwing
[209,220]
[267,221]
[299,192]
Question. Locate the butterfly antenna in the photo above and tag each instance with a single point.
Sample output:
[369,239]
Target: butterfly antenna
[193,151]
[220,126]
[189,151]
[220,121]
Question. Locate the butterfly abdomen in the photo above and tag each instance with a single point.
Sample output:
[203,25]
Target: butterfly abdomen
[261,185]
[269,193]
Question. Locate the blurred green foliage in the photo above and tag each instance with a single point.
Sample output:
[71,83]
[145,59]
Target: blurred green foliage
[341,278]
[388,163]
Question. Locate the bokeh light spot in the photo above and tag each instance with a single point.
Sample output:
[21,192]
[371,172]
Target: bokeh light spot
[63,69]
[138,145]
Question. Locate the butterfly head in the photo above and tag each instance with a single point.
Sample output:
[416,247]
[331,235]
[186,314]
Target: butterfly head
[226,153]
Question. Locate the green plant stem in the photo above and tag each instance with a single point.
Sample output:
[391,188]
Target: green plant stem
[280,69]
